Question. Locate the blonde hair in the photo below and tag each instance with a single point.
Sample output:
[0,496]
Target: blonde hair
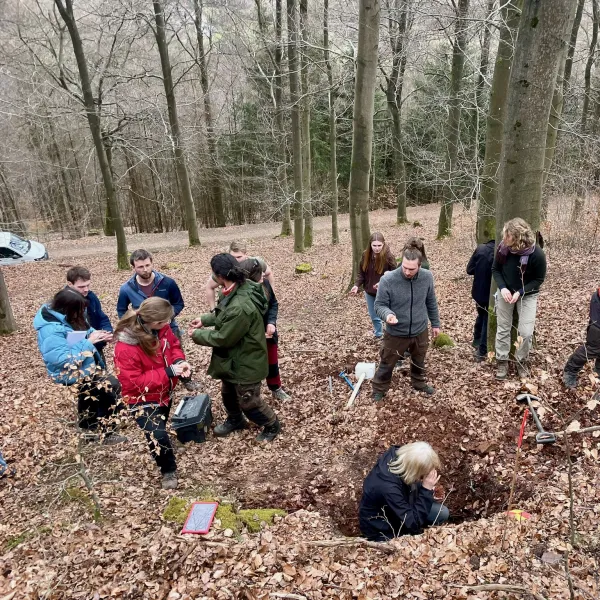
[238,246]
[521,233]
[151,310]
[414,461]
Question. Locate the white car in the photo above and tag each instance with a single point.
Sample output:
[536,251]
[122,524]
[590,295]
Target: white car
[15,250]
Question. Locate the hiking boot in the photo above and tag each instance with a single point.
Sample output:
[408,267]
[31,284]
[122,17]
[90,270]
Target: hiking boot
[279,394]
[169,481]
[569,380]
[229,426]
[269,432]
[112,439]
[427,389]
[192,386]
[502,369]
[378,396]
[522,370]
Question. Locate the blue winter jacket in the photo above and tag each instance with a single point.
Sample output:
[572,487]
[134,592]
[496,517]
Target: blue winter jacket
[60,358]
[164,287]
[96,316]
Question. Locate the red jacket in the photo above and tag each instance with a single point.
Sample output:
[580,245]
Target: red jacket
[143,378]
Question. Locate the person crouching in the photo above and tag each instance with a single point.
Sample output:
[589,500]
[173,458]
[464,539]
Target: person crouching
[149,361]
[398,493]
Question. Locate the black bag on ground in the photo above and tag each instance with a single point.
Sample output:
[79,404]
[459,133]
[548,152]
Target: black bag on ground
[192,418]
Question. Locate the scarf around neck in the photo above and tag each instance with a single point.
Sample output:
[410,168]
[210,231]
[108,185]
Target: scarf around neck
[504,251]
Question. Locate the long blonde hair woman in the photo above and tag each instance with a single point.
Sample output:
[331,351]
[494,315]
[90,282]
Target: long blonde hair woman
[519,270]
[398,493]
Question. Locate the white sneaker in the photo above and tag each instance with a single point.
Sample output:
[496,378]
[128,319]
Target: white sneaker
[281,395]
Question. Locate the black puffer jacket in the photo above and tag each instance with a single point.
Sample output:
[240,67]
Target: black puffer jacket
[390,508]
[480,265]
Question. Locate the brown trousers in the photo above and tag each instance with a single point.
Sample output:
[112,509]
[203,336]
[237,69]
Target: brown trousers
[246,399]
[393,349]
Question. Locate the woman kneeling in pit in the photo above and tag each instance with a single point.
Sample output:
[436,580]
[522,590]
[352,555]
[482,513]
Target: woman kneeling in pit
[398,493]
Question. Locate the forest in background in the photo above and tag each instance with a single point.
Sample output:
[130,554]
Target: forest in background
[193,111]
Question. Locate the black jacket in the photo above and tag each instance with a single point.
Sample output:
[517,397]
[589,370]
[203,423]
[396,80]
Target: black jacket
[480,266]
[272,309]
[390,508]
[509,275]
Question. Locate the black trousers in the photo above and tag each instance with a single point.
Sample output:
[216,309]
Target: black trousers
[97,399]
[588,351]
[153,420]
[480,330]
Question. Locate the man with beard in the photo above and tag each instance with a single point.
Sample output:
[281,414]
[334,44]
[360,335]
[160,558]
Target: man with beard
[146,283]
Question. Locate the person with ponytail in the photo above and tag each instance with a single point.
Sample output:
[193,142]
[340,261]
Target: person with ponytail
[376,260]
[239,357]
[149,361]
[416,243]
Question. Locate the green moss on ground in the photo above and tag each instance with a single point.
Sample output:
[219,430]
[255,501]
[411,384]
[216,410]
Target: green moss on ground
[77,494]
[177,510]
[303,268]
[443,340]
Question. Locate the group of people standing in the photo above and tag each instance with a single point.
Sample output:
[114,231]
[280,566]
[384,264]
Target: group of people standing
[241,328]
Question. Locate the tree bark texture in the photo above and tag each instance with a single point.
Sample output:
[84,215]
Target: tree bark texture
[362,125]
[486,209]
[305,120]
[588,66]
[215,180]
[572,43]
[298,204]
[453,123]
[397,28]
[66,13]
[7,319]
[335,232]
[181,167]
[543,31]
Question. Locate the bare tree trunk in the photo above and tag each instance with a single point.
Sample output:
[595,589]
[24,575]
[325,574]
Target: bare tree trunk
[80,176]
[296,126]
[17,224]
[486,209]
[217,191]
[335,232]
[397,28]
[181,167]
[453,124]
[7,319]
[109,228]
[286,223]
[572,43]
[369,14]
[588,66]
[543,30]
[484,61]
[305,121]
[66,13]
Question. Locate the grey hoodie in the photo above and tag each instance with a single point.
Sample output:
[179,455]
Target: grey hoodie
[413,302]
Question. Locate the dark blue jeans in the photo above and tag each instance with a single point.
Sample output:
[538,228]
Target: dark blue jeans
[480,331]
[438,514]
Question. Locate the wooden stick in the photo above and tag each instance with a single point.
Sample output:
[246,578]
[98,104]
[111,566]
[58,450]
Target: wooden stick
[557,433]
[289,596]
[349,542]
[496,587]
[355,392]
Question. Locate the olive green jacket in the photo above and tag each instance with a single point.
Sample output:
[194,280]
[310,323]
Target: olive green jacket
[238,338]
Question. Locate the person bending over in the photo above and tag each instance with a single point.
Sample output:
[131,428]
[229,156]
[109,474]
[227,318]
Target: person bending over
[149,360]
[398,493]
[68,348]
[239,356]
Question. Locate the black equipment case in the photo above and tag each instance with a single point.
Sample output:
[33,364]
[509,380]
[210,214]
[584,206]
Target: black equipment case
[192,418]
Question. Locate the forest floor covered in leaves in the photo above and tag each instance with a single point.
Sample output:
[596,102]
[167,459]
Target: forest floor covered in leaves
[51,546]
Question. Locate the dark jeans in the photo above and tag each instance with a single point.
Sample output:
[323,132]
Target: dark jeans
[153,420]
[588,351]
[480,331]
[438,514]
[246,400]
[97,398]
[393,348]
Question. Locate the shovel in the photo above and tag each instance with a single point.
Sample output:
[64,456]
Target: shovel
[362,371]
[542,437]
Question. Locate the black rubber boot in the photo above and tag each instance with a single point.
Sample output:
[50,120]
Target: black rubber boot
[230,425]
[269,432]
